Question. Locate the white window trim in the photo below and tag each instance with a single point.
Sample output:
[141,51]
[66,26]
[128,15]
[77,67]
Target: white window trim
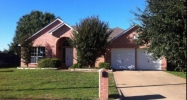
[36,55]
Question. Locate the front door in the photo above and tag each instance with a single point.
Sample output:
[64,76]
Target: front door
[69,56]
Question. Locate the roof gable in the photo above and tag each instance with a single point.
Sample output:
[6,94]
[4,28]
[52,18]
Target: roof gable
[116,32]
[126,31]
[59,26]
[57,19]
[53,30]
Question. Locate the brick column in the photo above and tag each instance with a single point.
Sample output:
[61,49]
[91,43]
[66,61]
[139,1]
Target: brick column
[103,84]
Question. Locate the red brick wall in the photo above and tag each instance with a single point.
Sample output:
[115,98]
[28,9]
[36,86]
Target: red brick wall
[164,64]
[124,41]
[49,41]
[103,84]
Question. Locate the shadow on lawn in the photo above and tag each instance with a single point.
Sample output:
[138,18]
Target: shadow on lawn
[49,88]
[111,96]
[48,99]
[7,67]
[6,70]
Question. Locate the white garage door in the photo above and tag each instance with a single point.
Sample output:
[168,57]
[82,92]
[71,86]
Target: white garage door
[123,58]
[145,61]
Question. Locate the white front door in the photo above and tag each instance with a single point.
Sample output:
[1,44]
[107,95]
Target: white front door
[69,57]
[123,58]
[145,61]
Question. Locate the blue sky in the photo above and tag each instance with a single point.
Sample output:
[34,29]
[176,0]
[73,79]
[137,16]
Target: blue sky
[115,12]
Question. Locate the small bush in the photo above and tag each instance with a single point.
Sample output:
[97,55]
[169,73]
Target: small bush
[56,62]
[77,65]
[104,65]
[49,63]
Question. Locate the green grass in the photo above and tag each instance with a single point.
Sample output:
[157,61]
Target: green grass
[180,74]
[51,84]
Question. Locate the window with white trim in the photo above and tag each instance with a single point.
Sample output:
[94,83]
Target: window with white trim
[37,53]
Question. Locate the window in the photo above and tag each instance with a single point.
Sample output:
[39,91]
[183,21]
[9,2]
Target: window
[37,53]
[135,36]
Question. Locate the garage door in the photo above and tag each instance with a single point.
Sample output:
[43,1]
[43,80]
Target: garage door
[123,58]
[145,61]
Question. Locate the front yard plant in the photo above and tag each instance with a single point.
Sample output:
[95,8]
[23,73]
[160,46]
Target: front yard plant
[77,65]
[92,38]
[49,63]
[104,65]
[51,84]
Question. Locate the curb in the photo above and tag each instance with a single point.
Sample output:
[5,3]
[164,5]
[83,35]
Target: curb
[78,69]
[34,68]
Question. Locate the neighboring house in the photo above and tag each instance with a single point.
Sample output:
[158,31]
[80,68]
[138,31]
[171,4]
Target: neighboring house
[122,53]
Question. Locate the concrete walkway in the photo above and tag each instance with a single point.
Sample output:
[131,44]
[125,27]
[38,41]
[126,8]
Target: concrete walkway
[149,85]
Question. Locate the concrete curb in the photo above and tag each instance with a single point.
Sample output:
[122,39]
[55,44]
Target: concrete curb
[33,68]
[80,69]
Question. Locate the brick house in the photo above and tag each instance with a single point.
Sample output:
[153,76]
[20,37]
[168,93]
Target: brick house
[122,53]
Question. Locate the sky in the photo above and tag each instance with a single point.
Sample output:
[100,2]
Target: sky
[116,12]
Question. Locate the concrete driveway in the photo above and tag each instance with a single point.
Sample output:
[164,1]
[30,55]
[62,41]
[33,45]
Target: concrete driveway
[149,85]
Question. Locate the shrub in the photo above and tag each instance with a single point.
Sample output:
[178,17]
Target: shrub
[49,63]
[77,65]
[104,65]
[56,62]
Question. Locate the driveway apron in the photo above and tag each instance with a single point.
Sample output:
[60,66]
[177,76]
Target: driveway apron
[149,85]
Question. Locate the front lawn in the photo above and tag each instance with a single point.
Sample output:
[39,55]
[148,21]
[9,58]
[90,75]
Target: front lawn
[51,84]
[180,74]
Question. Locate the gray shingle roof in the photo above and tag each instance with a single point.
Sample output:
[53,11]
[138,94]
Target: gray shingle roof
[116,32]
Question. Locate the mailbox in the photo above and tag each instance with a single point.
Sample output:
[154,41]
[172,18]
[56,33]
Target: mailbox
[103,84]
[104,74]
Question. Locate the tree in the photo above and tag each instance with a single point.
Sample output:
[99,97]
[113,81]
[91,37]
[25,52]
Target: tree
[163,29]
[90,37]
[26,47]
[28,25]
[5,51]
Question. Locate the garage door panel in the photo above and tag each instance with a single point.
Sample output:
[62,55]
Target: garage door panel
[146,62]
[123,58]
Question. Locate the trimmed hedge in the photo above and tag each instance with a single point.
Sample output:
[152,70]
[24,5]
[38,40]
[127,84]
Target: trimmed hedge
[49,63]
[77,65]
[104,65]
